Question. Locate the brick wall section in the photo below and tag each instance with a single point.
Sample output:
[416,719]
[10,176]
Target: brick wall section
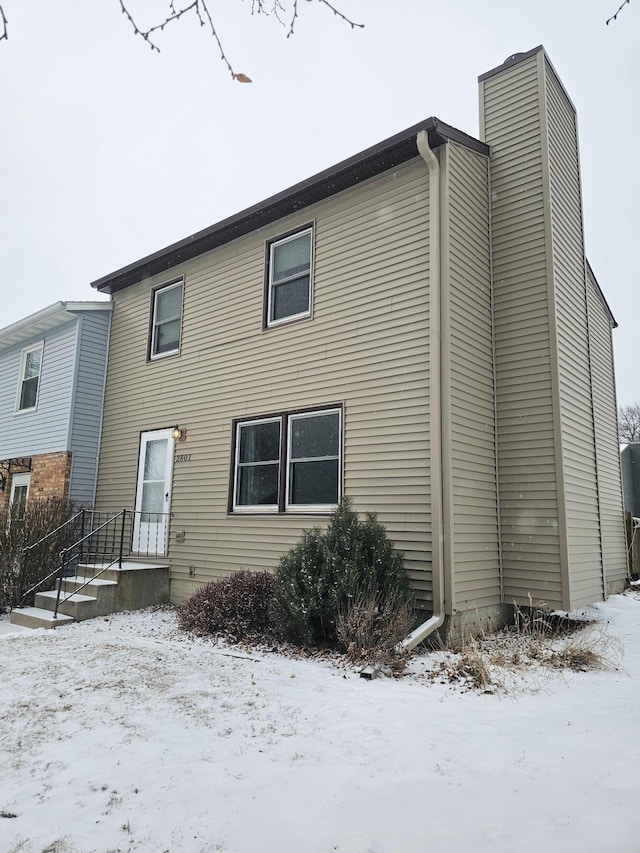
[50,477]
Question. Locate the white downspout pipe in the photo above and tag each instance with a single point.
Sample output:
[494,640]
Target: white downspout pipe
[435,399]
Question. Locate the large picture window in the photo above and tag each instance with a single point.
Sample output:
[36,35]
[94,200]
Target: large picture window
[288,462]
[166,321]
[29,384]
[289,278]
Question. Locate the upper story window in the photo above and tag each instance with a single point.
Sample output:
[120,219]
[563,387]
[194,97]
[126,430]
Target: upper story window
[166,320]
[288,463]
[289,278]
[28,386]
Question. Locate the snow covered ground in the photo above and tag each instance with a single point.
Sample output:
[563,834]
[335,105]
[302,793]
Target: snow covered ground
[122,734]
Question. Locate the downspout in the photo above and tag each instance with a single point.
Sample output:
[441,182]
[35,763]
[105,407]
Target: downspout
[435,401]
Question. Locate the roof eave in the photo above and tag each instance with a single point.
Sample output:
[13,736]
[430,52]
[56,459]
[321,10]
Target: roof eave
[385,155]
[41,322]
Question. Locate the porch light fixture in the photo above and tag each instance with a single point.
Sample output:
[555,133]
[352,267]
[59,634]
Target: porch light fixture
[178,433]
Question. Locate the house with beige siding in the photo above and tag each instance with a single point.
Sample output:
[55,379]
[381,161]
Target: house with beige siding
[417,328]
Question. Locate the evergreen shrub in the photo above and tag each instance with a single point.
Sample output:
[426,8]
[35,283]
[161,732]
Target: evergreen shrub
[236,607]
[327,571]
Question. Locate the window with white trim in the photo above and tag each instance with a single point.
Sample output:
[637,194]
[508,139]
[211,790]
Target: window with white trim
[288,463]
[19,495]
[29,384]
[257,469]
[289,278]
[166,321]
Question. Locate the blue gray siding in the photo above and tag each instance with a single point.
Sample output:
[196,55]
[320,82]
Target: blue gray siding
[45,429]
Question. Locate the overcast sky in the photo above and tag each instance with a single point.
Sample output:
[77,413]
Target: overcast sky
[109,152]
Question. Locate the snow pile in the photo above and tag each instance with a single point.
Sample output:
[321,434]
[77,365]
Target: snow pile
[123,734]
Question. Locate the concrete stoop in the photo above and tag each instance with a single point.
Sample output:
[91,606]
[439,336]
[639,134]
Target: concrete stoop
[134,586]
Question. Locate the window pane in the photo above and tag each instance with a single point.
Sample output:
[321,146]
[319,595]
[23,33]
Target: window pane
[318,435]
[152,498]
[290,298]
[168,336]
[29,393]
[168,304]
[20,501]
[260,442]
[291,257]
[258,485]
[314,482]
[32,364]
[155,460]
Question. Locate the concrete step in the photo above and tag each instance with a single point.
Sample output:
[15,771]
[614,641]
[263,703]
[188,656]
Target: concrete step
[106,591]
[140,584]
[77,605]
[132,586]
[36,617]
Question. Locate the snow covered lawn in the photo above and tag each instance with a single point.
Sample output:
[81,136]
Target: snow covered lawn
[123,734]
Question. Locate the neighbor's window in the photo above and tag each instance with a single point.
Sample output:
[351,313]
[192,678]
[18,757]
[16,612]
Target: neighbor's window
[166,320]
[289,278]
[289,462]
[30,367]
[19,494]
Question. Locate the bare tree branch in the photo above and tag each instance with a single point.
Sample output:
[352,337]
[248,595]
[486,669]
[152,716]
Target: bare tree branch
[335,11]
[620,8]
[199,9]
[4,34]
[629,422]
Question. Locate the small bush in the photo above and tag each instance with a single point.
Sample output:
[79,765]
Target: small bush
[236,607]
[370,626]
[19,569]
[326,571]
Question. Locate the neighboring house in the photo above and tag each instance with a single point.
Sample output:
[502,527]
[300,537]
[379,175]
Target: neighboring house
[417,328]
[52,374]
[630,461]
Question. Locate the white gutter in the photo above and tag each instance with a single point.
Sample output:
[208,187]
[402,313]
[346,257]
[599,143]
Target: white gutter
[435,399]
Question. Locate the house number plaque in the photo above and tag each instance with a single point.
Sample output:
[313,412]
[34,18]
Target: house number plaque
[183,457]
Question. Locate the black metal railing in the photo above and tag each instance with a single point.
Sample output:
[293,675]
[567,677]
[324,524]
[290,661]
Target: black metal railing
[105,540]
[46,552]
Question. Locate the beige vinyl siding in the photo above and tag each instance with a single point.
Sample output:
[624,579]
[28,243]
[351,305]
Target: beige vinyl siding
[607,446]
[574,368]
[527,474]
[469,442]
[365,347]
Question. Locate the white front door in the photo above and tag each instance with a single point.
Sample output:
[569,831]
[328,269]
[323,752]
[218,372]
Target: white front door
[153,495]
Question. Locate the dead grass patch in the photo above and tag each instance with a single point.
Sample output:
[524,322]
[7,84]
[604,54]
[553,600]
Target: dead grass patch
[539,644]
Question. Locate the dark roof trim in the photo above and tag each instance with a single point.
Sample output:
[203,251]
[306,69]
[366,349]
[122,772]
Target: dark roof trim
[594,281]
[510,61]
[517,58]
[385,155]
